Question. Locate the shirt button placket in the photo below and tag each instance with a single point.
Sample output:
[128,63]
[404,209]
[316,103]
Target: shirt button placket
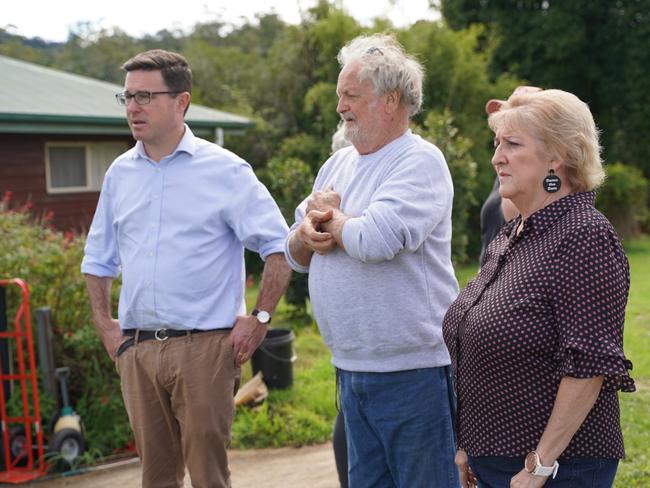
[154,231]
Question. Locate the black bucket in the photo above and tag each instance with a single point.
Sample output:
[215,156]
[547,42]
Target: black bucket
[275,357]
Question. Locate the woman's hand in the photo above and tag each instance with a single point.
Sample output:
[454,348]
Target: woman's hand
[524,479]
[467,477]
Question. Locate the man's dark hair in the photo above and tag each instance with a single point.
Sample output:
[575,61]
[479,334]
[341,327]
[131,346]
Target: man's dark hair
[173,67]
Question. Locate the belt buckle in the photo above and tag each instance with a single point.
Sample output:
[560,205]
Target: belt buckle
[161,335]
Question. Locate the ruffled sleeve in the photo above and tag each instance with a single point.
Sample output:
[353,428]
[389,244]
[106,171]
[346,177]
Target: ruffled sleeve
[589,358]
[591,282]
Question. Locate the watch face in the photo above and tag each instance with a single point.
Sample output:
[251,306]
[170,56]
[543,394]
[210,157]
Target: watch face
[263,316]
[531,462]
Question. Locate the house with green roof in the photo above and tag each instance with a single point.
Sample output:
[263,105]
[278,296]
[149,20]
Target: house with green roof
[59,132]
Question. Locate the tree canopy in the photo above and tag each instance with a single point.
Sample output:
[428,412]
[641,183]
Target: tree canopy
[597,49]
[284,76]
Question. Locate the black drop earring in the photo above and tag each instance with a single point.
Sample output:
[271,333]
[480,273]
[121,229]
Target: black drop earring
[552,182]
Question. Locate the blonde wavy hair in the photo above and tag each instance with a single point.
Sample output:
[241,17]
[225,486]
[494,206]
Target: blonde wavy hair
[564,126]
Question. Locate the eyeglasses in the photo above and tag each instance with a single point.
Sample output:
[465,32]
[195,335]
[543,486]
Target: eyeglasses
[141,97]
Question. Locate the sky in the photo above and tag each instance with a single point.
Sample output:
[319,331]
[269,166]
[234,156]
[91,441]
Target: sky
[52,20]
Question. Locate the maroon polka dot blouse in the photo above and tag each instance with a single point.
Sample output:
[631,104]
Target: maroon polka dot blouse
[547,303]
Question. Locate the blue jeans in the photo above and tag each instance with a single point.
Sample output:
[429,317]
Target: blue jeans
[399,428]
[495,472]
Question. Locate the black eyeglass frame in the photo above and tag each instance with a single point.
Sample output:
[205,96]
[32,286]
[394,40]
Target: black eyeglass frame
[125,97]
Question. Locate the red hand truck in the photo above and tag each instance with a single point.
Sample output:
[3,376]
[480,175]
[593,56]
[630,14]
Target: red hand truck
[23,459]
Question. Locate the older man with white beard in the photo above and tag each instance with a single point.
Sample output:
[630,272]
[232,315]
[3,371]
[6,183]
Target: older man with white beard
[375,238]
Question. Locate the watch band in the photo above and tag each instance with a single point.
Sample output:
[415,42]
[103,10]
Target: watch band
[546,470]
[538,469]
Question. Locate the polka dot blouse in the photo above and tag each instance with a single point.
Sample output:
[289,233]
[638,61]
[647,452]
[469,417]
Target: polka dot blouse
[547,303]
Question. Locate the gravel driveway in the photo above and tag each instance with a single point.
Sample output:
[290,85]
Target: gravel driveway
[308,467]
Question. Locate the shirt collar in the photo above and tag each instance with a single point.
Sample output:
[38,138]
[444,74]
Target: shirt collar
[187,144]
[546,216]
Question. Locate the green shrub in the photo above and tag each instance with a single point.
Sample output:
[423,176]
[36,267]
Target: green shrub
[49,262]
[439,129]
[624,199]
[290,180]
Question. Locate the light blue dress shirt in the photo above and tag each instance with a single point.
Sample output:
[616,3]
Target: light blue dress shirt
[176,230]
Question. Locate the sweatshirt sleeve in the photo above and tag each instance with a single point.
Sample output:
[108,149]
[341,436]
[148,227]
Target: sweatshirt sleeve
[415,195]
[299,216]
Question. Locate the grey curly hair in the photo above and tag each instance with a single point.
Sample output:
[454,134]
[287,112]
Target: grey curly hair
[387,66]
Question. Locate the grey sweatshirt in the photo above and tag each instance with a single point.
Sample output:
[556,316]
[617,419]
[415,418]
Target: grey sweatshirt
[380,303]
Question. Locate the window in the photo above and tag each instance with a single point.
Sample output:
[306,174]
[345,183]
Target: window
[79,166]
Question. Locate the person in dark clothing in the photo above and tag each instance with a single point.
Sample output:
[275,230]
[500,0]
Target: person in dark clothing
[340,449]
[492,218]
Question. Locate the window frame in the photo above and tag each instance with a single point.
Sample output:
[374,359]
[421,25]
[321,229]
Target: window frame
[48,170]
[87,146]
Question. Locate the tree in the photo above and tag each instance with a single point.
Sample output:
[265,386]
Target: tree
[596,49]
[290,180]
[97,52]
[439,129]
[456,80]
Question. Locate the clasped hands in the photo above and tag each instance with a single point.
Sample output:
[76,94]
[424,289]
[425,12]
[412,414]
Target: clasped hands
[315,231]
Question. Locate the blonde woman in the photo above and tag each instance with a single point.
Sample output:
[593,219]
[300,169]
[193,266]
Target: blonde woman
[536,339]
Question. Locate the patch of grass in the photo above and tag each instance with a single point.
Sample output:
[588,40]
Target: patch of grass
[634,471]
[637,317]
[302,414]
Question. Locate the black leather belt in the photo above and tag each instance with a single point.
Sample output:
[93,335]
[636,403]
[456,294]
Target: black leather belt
[163,334]
[160,335]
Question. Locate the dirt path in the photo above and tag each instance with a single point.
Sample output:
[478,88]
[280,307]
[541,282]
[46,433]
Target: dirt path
[308,467]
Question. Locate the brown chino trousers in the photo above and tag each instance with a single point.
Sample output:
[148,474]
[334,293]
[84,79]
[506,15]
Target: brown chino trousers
[179,394]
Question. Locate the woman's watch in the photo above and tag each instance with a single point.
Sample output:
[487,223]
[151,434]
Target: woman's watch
[533,465]
[263,317]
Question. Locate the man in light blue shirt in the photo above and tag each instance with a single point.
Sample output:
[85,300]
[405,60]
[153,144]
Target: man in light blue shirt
[174,215]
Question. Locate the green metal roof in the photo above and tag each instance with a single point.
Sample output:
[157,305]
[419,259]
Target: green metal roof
[37,99]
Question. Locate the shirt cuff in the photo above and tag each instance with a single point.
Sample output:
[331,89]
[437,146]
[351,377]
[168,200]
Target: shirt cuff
[349,235]
[98,269]
[272,247]
[598,357]
[290,261]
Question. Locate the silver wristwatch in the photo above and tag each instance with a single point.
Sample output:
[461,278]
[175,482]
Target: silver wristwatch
[263,317]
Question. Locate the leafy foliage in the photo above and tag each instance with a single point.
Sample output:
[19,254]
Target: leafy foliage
[439,129]
[49,262]
[596,49]
[290,180]
[624,199]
